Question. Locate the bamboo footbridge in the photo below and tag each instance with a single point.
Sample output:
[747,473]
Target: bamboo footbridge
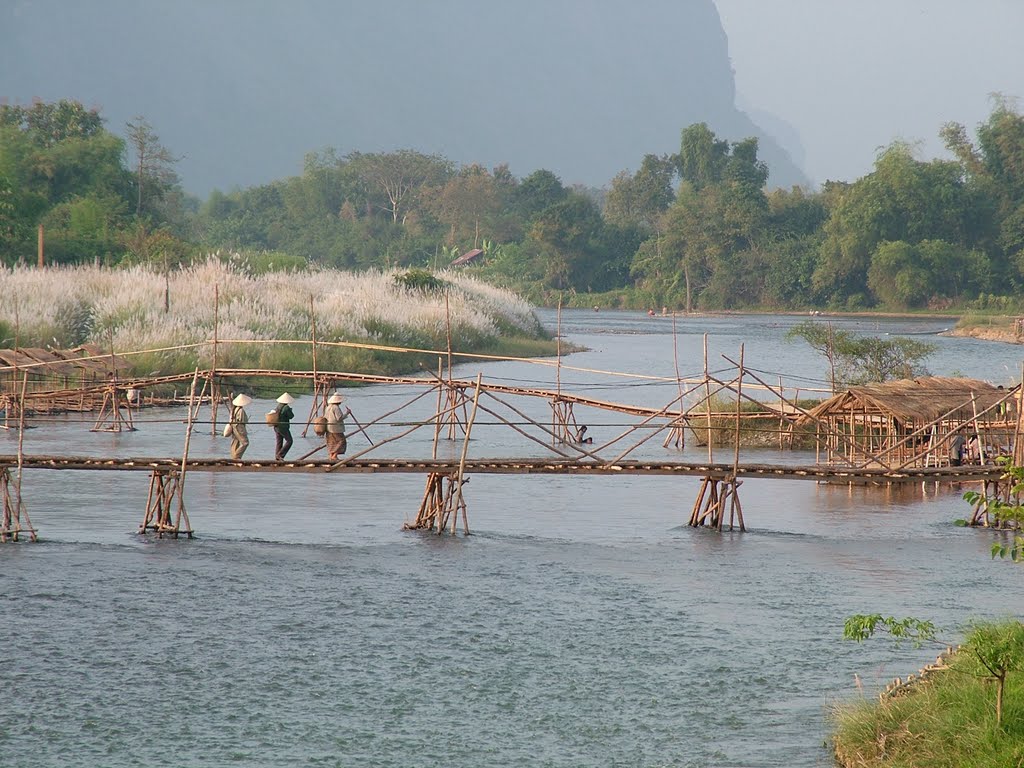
[860,448]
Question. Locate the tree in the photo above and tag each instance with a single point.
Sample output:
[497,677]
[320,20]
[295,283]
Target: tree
[154,163]
[570,230]
[903,199]
[702,156]
[48,124]
[640,199]
[860,360]
[400,177]
[997,646]
[537,192]
[468,200]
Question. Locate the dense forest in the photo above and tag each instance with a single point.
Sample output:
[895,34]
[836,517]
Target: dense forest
[693,230]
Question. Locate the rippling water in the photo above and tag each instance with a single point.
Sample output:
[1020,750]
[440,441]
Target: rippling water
[583,624]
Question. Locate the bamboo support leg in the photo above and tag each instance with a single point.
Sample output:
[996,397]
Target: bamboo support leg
[715,499]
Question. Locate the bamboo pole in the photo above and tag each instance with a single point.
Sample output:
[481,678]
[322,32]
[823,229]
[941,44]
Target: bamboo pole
[462,463]
[392,439]
[184,462]
[572,446]
[314,411]
[739,397]
[20,510]
[523,432]
[807,414]
[707,384]
[678,431]
[782,408]
[440,392]
[634,428]
[558,347]
[214,389]
[1018,449]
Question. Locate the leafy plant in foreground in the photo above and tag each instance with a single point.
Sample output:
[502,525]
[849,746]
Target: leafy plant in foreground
[1007,513]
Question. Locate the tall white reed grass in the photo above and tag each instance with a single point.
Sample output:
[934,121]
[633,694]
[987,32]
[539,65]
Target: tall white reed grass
[127,305]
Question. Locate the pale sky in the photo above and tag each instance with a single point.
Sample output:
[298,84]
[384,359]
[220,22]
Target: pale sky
[853,75]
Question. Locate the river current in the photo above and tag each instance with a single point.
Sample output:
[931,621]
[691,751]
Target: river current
[582,624]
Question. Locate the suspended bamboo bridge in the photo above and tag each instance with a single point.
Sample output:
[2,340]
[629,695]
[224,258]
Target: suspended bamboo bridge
[860,448]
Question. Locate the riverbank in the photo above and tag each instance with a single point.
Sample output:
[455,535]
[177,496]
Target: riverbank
[989,328]
[176,317]
[944,717]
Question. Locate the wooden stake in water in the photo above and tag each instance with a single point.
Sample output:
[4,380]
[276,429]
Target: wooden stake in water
[181,514]
[458,501]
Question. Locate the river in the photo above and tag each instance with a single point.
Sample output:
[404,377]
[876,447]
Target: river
[582,624]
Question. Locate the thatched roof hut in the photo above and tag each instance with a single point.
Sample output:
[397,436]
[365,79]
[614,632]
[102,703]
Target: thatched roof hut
[914,422]
[51,369]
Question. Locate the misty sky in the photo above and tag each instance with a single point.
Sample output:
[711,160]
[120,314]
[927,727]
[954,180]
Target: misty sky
[852,76]
[242,89]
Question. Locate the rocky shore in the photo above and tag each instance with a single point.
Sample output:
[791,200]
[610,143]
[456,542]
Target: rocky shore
[990,333]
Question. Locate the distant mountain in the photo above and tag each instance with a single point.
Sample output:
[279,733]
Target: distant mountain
[245,88]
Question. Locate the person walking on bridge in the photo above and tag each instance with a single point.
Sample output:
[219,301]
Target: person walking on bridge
[282,426]
[239,432]
[336,443]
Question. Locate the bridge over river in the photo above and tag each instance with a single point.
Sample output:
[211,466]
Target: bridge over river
[715,409]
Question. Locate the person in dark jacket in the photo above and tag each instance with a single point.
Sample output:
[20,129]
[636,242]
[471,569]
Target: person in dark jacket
[283,427]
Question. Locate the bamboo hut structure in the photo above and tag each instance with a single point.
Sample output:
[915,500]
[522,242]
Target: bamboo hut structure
[922,422]
[70,372]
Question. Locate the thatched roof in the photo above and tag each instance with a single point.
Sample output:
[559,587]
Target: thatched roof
[101,358]
[53,364]
[61,362]
[924,399]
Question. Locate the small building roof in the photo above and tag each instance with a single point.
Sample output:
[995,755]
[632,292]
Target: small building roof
[926,398]
[467,257]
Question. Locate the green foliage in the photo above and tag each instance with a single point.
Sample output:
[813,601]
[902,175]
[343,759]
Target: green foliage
[946,723]
[694,229]
[862,626]
[421,280]
[860,360]
[75,322]
[1007,512]
[262,262]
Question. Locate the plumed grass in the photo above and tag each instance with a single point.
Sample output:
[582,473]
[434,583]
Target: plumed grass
[65,306]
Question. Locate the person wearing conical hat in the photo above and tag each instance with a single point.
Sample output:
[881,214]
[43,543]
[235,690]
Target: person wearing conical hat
[238,425]
[283,427]
[336,443]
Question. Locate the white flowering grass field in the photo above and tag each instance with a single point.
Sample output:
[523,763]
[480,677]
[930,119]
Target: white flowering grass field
[64,306]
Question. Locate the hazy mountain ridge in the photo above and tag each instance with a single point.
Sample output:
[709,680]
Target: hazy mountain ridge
[244,90]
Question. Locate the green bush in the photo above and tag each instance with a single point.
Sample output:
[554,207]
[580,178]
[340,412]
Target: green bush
[421,280]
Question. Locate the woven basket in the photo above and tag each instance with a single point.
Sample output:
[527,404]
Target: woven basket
[272,418]
[320,426]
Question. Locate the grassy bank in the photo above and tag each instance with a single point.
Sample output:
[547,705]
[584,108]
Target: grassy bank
[989,327]
[176,316]
[946,722]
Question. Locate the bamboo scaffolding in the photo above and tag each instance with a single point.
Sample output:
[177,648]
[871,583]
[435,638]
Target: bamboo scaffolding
[14,509]
[392,439]
[180,513]
[460,481]
[214,386]
[572,446]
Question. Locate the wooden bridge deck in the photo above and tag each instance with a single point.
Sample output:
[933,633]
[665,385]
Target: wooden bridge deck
[512,466]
